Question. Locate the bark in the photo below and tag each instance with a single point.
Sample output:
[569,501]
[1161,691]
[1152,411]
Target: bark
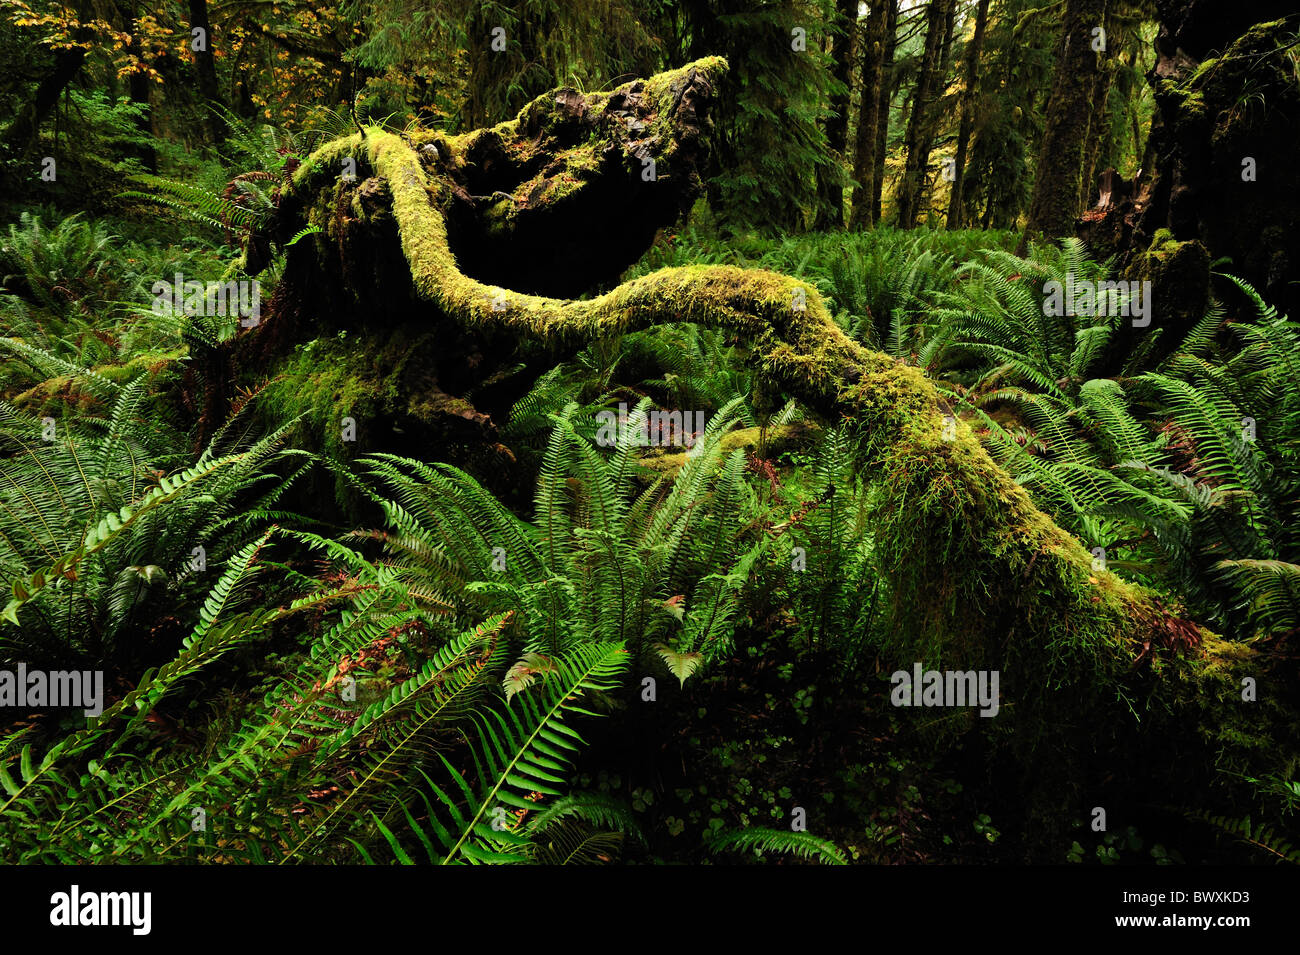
[206,68]
[830,179]
[26,126]
[916,141]
[1055,200]
[945,54]
[1206,126]
[969,98]
[1191,202]
[887,85]
[1098,121]
[516,214]
[977,574]
[872,72]
[139,92]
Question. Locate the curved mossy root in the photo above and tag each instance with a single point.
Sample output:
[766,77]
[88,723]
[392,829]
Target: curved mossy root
[563,197]
[981,578]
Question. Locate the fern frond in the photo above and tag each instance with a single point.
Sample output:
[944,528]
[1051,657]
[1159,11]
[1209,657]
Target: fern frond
[802,845]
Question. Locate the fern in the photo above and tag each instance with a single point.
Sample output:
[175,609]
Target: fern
[1259,836]
[521,748]
[802,845]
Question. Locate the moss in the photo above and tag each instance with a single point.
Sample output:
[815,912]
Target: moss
[325,381]
[1203,690]
[65,391]
[533,135]
[54,395]
[1204,67]
[579,166]
[1179,273]
[433,404]
[1160,241]
[979,577]
[1194,107]
[775,440]
[663,88]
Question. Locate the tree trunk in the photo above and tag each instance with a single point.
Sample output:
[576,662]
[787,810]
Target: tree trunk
[1218,178]
[945,54]
[206,67]
[1098,121]
[916,141]
[872,71]
[26,126]
[830,177]
[968,101]
[887,84]
[1055,200]
[138,87]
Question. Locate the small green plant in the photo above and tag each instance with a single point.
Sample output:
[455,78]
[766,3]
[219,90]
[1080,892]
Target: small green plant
[802,845]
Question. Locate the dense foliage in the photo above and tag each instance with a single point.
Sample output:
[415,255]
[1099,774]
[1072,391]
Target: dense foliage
[610,649]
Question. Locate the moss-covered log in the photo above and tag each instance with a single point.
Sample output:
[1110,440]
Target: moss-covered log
[980,578]
[559,200]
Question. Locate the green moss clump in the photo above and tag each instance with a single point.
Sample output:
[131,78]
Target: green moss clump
[774,440]
[1179,273]
[323,382]
[66,392]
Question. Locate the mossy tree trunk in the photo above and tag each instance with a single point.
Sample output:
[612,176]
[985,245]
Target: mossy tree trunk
[979,577]
[872,70]
[888,82]
[206,68]
[1218,177]
[24,128]
[1220,162]
[830,184]
[139,88]
[967,125]
[558,201]
[1054,203]
[1098,133]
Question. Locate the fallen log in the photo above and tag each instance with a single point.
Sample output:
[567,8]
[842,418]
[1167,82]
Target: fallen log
[979,578]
